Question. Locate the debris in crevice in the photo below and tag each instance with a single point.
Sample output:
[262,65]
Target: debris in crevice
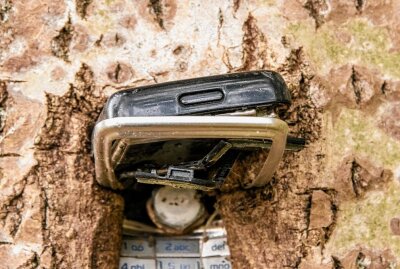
[81,7]
[360,4]
[317,10]
[61,43]
[157,10]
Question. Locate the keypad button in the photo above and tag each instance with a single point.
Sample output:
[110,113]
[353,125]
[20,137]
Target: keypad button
[134,263]
[138,247]
[178,247]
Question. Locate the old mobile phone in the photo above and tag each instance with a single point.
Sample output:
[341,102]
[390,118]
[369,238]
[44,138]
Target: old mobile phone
[189,133]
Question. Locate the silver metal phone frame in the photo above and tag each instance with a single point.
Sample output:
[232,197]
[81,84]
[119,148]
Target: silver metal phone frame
[157,128]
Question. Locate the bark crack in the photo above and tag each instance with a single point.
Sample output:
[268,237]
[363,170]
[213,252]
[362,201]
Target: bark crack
[355,177]
[317,10]
[357,87]
[61,43]
[157,10]
[5,8]
[359,4]
[336,263]
[253,45]
[32,263]
[81,7]
[12,207]
[3,100]
[384,87]
[236,5]
[220,23]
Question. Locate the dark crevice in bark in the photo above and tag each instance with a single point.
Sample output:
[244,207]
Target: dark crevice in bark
[5,8]
[355,177]
[360,260]
[307,210]
[81,7]
[9,154]
[357,88]
[384,87]
[220,23]
[236,5]
[35,261]
[117,39]
[359,4]
[336,263]
[117,72]
[251,37]
[60,44]
[251,33]
[97,43]
[32,263]
[3,100]
[316,9]
[45,212]
[157,10]
[335,210]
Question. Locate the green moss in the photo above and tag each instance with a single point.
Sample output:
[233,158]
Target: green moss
[366,222]
[359,133]
[361,42]
[109,2]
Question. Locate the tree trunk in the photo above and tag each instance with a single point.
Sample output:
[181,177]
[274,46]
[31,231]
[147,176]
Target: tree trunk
[334,204]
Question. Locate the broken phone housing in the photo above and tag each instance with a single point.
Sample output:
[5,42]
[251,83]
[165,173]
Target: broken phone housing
[186,134]
[189,133]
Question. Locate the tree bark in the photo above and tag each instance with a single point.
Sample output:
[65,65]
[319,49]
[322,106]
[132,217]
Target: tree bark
[332,205]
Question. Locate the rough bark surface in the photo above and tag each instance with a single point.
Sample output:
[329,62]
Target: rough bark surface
[333,205]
